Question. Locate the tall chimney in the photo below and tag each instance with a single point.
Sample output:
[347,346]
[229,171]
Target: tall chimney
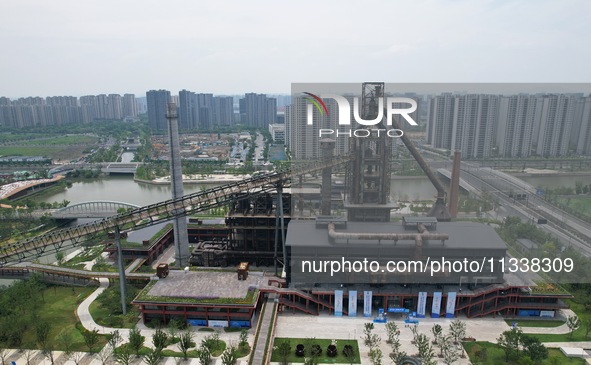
[181,238]
[327,150]
[454,189]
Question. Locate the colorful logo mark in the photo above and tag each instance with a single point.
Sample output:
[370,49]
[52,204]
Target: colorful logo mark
[317,103]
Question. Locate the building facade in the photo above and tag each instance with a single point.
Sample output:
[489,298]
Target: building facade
[157,101]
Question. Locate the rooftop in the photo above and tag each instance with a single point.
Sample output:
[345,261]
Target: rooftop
[204,287]
[462,235]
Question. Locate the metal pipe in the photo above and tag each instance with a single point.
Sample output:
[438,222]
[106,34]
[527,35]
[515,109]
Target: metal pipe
[386,236]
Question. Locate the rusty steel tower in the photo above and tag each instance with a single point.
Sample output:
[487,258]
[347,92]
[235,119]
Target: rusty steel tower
[367,196]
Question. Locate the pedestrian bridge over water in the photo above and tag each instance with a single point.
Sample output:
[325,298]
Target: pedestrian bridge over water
[92,209]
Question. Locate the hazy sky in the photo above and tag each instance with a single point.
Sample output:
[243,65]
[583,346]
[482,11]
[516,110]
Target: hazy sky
[79,47]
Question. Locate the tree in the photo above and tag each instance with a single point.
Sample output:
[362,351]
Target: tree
[533,348]
[136,340]
[425,350]
[174,325]
[123,355]
[449,351]
[458,330]
[510,341]
[91,338]
[398,358]
[185,342]
[204,356]
[367,332]
[391,330]
[394,342]
[283,350]
[78,356]
[375,356]
[59,257]
[573,323]
[437,332]
[65,341]
[153,357]
[105,354]
[243,339]
[28,353]
[42,335]
[160,339]
[114,339]
[229,356]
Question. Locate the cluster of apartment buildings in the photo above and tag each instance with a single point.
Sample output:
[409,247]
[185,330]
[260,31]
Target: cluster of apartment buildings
[479,125]
[204,111]
[59,110]
[513,126]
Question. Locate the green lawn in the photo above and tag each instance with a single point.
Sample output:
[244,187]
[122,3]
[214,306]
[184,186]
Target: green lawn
[534,323]
[580,203]
[62,152]
[578,335]
[495,355]
[102,316]
[339,359]
[63,140]
[59,310]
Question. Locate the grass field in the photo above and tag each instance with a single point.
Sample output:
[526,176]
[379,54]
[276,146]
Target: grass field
[495,355]
[323,359]
[63,140]
[102,316]
[58,147]
[65,152]
[534,323]
[59,310]
[580,203]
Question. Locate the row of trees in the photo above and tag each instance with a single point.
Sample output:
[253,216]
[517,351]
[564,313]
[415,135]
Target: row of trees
[448,343]
[521,347]
[124,354]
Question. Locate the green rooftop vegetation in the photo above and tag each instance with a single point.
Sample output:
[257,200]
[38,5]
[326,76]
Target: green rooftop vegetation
[144,296]
[157,236]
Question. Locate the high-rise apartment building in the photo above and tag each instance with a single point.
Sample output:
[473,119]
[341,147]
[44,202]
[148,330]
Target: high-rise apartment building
[129,106]
[196,111]
[205,111]
[440,120]
[224,110]
[157,102]
[256,110]
[517,116]
[583,126]
[303,140]
[463,123]
[188,119]
[555,121]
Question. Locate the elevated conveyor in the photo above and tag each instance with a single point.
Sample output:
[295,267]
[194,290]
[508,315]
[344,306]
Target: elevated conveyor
[163,211]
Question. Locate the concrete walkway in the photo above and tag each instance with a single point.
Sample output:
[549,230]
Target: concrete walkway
[560,330]
[134,264]
[259,347]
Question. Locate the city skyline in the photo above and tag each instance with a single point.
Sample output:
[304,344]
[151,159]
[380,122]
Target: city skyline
[81,48]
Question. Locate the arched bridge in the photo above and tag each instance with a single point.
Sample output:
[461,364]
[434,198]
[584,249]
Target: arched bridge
[92,209]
